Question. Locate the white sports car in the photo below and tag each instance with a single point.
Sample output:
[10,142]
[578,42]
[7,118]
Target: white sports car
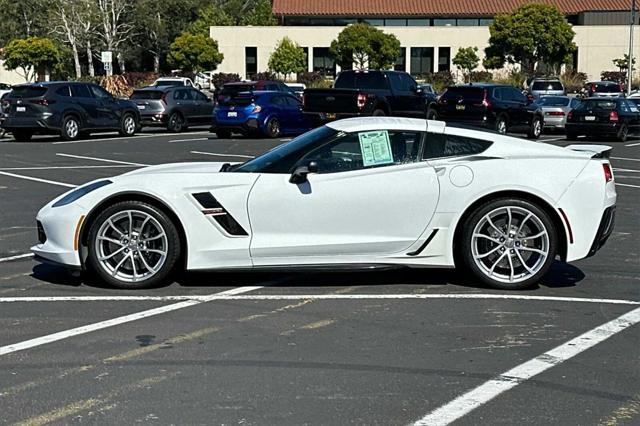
[357,192]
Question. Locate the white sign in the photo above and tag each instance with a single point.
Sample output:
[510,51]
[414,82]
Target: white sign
[107,57]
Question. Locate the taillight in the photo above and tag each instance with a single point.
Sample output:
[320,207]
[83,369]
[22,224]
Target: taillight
[485,101]
[613,116]
[256,109]
[608,174]
[43,102]
[555,113]
[570,115]
[362,100]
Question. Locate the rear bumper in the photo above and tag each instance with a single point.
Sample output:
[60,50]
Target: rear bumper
[554,122]
[249,125]
[38,124]
[156,119]
[604,230]
[593,128]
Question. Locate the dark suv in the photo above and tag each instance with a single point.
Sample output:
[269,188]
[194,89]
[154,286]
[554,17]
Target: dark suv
[500,108]
[68,109]
[175,107]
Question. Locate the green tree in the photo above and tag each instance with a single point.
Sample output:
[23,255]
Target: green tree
[210,16]
[530,34]
[260,14]
[288,58]
[21,19]
[364,45]
[466,60]
[194,52]
[623,63]
[31,55]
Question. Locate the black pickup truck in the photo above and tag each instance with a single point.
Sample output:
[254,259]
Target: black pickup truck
[365,93]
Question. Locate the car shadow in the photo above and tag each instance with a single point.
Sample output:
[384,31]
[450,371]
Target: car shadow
[561,275]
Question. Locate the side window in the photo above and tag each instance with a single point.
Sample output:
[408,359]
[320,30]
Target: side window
[99,92]
[63,91]
[497,93]
[181,95]
[293,102]
[409,83]
[80,91]
[197,96]
[396,82]
[517,96]
[278,101]
[438,145]
[271,87]
[357,151]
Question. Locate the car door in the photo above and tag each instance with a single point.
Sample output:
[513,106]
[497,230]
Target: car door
[106,107]
[370,196]
[279,109]
[87,105]
[518,108]
[184,103]
[415,102]
[203,107]
[294,105]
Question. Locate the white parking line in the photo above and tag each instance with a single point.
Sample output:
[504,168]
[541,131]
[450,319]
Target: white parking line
[222,296]
[626,159]
[484,393]
[627,185]
[122,138]
[188,140]
[16,257]
[633,144]
[35,179]
[68,167]
[554,139]
[626,170]
[106,160]
[43,340]
[222,155]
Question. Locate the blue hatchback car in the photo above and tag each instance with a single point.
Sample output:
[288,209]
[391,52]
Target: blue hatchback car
[256,113]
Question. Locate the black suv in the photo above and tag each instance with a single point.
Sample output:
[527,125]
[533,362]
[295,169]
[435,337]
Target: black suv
[68,109]
[500,108]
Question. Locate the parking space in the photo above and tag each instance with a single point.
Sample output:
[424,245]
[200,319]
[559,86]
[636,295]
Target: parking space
[368,347]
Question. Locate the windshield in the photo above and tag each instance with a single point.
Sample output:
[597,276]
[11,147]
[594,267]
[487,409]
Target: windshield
[604,104]
[547,85]
[281,158]
[606,87]
[555,101]
[161,83]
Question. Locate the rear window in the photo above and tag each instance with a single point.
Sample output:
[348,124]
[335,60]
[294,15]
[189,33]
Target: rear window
[604,104]
[469,93]
[28,91]
[147,94]
[234,89]
[168,83]
[547,85]
[606,87]
[555,101]
[361,80]
[438,145]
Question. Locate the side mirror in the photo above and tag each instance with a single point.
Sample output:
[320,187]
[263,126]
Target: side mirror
[299,175]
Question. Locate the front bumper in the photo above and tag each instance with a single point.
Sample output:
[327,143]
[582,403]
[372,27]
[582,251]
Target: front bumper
[58,234]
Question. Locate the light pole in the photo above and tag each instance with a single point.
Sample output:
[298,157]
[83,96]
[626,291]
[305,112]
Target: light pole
[630,60]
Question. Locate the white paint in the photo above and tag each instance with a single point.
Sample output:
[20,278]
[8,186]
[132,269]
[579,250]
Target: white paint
[553,140]
[68,167]
[122,138]
[633,144]
[16,257]
[105,160]
[188,140]
[43,340]
[227,296]
[35,179]
[624,158]
[626,170]
[627,185]
[484,393]
[221,155]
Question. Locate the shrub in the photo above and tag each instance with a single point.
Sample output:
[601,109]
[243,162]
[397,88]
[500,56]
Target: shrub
[481,76]
[573,81]
[265,75]
[439,80]
[320,84]
[308,78]
[140,79]
[513,78]
[617,76]
[219,79]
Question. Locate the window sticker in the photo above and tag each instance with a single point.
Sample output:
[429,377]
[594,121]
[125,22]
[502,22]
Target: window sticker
[376,148]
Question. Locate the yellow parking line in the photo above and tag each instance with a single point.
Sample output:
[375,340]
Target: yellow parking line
[317,324]
[629,411]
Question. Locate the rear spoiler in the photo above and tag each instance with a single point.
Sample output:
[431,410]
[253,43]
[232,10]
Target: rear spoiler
[598,151]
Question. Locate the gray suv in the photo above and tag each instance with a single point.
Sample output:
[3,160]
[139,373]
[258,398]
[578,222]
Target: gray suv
[546,87]
[173,107]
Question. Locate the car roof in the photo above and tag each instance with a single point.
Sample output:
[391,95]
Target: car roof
[360,124]
[159,88]
[172,78]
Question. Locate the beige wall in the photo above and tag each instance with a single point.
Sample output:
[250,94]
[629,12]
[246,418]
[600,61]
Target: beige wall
[9,77]
[597,45]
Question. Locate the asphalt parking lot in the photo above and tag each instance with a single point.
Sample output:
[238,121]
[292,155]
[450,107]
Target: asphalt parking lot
[375,347]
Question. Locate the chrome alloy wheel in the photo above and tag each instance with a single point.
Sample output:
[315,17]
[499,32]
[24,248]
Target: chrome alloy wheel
[502,126]
[131,246]
[537,128]
[129,125]
[71,128]
[510,244]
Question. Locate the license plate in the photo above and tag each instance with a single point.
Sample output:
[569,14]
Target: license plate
[232,114]
[460,107]
[589,118]
[141,107]
[21,109]
[331,115]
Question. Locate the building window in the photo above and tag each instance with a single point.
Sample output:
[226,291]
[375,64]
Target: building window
[250,61]
[320,22]
[374,22]
[343,22]
[444,22]
[395,22]
[418,22]
[323,62]
[574,60]
[421,60]
[444,58]
[401,63]
[467,22]
[485,21]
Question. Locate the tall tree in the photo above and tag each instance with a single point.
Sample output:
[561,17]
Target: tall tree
[115,26]
[466,60]
[288,58]
[531,34]
[364,45]
[194,52]
[67,28]
[260,14]
[212,15]
[20,19]
[31,55]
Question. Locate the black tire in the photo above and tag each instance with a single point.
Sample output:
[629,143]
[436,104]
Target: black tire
[623,133]
[223,134]
[70,128]
[432,114]
[535,130]
[273,128]
[128,125]
[22,135]
[501,125]
[172,241]
[176,123]
[513,246]
[379,113]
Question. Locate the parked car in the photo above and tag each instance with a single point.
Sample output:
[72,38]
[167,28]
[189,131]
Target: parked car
[69,109]
[617,117]
[373,190]
[556,109]
[2,114]
[173,81]
[4,89]
[176,107]
[297,88]
[605,89]
[497,107]
[203,81]
[546,86]
[265,113]
[363,93]
[230,90]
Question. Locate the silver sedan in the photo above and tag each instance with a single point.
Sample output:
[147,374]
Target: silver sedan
[556,109]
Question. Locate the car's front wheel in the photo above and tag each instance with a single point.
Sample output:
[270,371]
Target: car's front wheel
[623,133]
[128,126]
[176,123]
[70,128]
[133,245]
[509,243]
[501,124]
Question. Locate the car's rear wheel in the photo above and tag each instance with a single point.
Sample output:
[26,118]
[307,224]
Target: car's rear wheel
[70,128]
[176,123]
[535,130]
[623,133]
[273,128]
[379,113]
[432,114]
[128,126]
[501,124]
[223,134]
[22,135]
[509,243]
[133,245]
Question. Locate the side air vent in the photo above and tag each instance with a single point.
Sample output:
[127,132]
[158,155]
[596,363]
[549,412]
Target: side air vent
[211,207]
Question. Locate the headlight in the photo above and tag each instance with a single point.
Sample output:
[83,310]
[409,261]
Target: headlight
[80,192]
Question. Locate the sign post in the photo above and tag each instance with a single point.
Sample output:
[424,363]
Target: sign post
[107,60]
